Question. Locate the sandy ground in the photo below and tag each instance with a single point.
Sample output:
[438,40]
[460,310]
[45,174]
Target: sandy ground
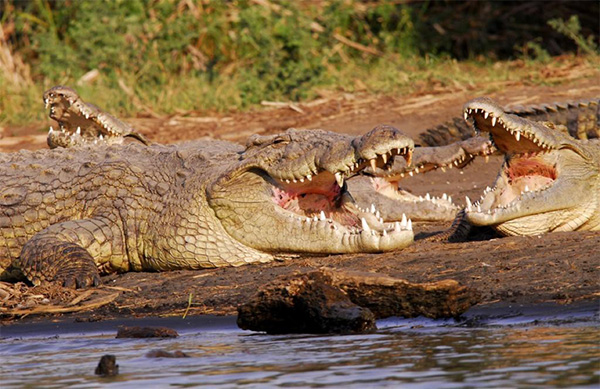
[560,267]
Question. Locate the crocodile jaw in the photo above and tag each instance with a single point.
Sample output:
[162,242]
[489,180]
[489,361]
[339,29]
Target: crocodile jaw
[547,183]
[317,217]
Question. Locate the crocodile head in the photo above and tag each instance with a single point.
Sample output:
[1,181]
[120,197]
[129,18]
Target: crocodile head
[80,122]
[380,188]
[288,193]
[548,182]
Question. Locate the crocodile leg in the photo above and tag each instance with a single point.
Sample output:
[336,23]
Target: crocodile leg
[65,252]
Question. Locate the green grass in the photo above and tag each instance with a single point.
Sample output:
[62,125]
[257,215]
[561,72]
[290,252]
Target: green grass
[177,56]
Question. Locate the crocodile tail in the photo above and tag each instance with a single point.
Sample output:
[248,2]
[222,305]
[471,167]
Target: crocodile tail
[451,131]
[140,137]
[458,231]
[581,118]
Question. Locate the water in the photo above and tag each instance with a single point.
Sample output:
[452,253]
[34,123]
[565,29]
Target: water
[561,349]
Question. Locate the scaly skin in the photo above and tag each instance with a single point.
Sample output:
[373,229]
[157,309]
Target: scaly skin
[81,123]
[67,215]
[549,182]
[581,119]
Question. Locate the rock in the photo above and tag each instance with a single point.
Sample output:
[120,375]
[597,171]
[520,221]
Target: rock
[166,354]
[331,301]
[146,332]
[107,366]
[387,296]
[304,304]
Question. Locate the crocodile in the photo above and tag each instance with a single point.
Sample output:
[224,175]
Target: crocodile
[580,118]
[378,189]
[549,181]
[69,215]
[81,123]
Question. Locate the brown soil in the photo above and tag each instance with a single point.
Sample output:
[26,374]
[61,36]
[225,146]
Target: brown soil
[561,267]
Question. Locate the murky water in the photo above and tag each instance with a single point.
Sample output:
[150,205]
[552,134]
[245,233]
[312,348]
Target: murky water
[522,352]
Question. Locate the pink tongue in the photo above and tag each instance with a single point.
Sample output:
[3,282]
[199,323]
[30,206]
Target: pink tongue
[518,186]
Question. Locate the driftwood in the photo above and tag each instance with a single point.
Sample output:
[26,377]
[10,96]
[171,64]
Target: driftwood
[146,332]
[330,301]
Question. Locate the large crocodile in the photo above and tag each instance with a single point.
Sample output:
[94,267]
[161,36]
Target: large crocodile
[67,215]
[549,181]
[81,123]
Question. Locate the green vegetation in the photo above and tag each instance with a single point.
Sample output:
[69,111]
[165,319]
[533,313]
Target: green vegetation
[174,56]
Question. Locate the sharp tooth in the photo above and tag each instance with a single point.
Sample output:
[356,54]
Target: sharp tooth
[46,103]
[468,203]
[445,196]
[478,208]
[416,170]
[456,163]
[466,115]
[486,114]
[409,226]
[397,226]
[469,110]
[364,224]
[51,130]
[377,215]
[294,181]
[286,181]
[410,174]
[302,179]
[443,169]
[373,163]
[450,198]
[339,179]
[526,188]
[384,157]
[384,233]
[404,221]
[493,121]
[518,136]
[315,218]
[373,210]
[309,177]
[87,115]
[322,215]
[102,138]
[427,197]
[78,131]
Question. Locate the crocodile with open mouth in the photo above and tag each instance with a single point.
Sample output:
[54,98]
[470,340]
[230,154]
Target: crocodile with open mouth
[549,181]
[80,122]
[68,215]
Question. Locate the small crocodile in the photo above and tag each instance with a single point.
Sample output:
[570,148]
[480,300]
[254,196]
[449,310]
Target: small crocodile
[549,181]
[68,215]
[580,117]
[81,123]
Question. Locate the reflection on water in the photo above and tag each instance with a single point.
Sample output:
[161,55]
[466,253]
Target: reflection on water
[408,356]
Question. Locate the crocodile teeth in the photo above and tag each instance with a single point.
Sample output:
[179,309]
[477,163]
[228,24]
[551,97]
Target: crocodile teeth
[78,131]
[493,121]
[486,114]
[51,130]
[364,224]
[404,222]
[466,115]
[518,136]
[384,157]
[373,163]
[339,179]
[322,215]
